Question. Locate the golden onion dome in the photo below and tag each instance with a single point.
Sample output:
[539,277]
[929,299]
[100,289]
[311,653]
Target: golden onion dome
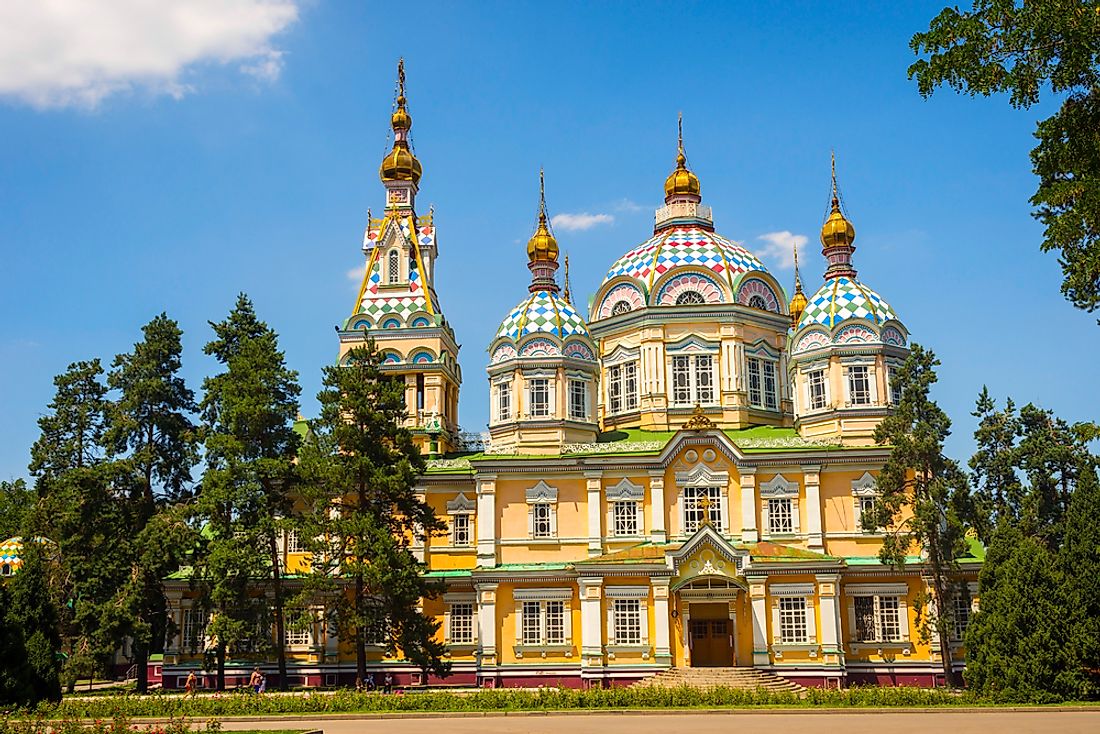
[837,230]
[401,119]
[798,305]
[400,164]
[681,180]
[542,245]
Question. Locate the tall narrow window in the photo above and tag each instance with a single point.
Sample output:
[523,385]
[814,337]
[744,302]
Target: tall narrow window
[578,400]
[625,513]
[555,623]
[393,267]
[792,620]
[816,382]
[532,623]
[859,385]
[700,502]
[293,542]
[692,379]
[460,530]
[960,615]
[462,624]
[755,382]
[504,401]
[622,388]
[895,388]
[193,634]
[866,507]
[538,397]
[780,516]
[762,383]
[681,380]
[542,520]
[771,397]
[420,391]
[630,386]
[627,615]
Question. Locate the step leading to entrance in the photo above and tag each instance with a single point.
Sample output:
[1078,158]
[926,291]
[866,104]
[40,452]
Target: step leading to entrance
[749,679]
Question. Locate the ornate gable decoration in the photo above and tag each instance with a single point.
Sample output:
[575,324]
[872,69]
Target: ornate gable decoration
[702,476]
[865,486]
[708,536]
[542,493]
[461,505]
[625,490]
[779,486]
[698,421]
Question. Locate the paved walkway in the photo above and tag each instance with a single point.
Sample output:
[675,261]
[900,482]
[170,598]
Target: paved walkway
[772,722]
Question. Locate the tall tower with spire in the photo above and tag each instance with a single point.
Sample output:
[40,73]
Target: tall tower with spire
[397,304]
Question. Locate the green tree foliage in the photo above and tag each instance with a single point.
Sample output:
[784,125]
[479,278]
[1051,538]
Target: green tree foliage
[16,501]
[359,468]
[78,509]
[921,495]
[154,445]
[1023,49]
[1036,500]
[249,411]
[30,612]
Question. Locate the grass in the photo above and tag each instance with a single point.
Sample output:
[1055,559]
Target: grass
[500,700]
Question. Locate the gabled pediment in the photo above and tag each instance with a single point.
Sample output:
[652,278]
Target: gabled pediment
[707,537]
[702,475]
[461,504]
[625,490]
[542,492]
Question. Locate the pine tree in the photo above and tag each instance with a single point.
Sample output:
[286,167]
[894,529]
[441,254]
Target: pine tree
[1080,564]
[249,412]
[16,501]
[921,493]
[15,688]
[359,468]
[154,440]
[32,612]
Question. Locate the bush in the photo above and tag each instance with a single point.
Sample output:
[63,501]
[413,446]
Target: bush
[99,726]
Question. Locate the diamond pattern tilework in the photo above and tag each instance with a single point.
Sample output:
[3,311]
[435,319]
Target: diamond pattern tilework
[684,246]
[840,299]
[10,550]
[542,312]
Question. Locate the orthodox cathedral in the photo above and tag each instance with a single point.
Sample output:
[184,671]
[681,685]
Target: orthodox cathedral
[673,475]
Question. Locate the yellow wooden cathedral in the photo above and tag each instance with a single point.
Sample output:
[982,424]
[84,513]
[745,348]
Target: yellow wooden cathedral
[673,476]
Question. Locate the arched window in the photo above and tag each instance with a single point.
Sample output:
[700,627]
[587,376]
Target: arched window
[620,307]
[688,298]
[393,268]
[758,301]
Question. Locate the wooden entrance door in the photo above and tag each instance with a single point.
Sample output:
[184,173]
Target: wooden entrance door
[711,643]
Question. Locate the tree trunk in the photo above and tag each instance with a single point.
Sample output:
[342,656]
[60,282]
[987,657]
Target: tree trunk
[360,642]
[141,662]
[220,685]
[280,621]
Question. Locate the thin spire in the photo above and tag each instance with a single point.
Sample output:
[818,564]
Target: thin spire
[542,196]
[566,292]
[681,158]
[797,277]
[401,80]
[836,197]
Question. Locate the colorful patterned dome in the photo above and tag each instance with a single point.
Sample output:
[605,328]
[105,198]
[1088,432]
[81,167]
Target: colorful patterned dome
[841,299]
[688,245]
[10,551]
[543,312]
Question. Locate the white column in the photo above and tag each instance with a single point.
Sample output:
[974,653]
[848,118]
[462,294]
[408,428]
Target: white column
[420,541]
[486,521]
[661,622]
[487,623]
[758,593]
[733,628]
[658,528]
[591,622]
[595,516]
[811,478]
[828,596]
[749,533]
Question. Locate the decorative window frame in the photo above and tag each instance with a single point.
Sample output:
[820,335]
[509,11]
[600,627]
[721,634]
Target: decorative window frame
[891,368]
[625,491]
[542,494]
[541,596]
[451,599]
[462,505]
[805,370]
[898,590]
[496,383]
[872,381]
[763,352]
[572,376]
[779,488]
[702,475]
[863,488]
[551,394]
[786,591]
[627,593]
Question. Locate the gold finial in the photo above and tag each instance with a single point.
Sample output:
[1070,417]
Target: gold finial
[400,164]
[798,300]
[681,181]
[836,198]
[681,159]
[542,245]
[699,420]
[566,292]
[837,230]
[401,80]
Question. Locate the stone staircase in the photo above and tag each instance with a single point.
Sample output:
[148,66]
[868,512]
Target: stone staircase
[749,679]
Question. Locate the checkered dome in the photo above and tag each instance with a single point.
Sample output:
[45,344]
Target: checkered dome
[841,299]
[10,551]
[684,246]
[542,312]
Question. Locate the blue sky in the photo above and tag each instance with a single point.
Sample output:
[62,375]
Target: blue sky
[153,163]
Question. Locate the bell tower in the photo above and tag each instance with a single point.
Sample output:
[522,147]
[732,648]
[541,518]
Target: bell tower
[397,304]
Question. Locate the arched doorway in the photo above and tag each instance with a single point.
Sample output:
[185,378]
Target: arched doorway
[709,608]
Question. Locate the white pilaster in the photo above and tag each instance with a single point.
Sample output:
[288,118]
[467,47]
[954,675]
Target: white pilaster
[828,596]
[661,622]
[749,533]
[487,623]
[811,478]
[658,528]
[591,622]
[486,521]
[593,481]
[760,655]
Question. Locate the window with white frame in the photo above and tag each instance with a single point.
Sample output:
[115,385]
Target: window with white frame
[297,636]
[815,387]
[460,630]
[542,501]
[538,397]
[627,616]
[864,496]
[780,516]
[792,620]
[763,390]
[692,379]
[504,401]
[622,388]
[866,508]
[625,515]
[460,530]
[393,267]
[895,387]
[877,618]
[624,508]
[700,502]
[294,542]
[960,615]
[193,630]
[543,621]
[859,384]
[578,400]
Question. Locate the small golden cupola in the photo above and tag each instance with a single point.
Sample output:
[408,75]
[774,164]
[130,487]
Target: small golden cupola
[681,184]
[542,248]
[837,237]
[400,164]
[798,300]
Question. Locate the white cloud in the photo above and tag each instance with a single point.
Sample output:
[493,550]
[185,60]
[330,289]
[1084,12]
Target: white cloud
[626,205]
[60,53]
[356,274]
[580,222]
[779,247]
